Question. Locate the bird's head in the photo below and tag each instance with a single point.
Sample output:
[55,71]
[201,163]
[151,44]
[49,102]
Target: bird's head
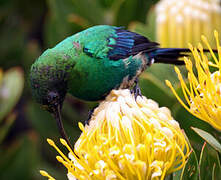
[48,79]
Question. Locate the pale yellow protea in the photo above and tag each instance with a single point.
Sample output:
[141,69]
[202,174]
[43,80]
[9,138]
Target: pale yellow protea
[179,22]
[203,94]
[126,140]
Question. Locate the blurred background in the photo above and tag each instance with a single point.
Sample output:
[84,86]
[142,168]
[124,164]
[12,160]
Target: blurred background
[27,28]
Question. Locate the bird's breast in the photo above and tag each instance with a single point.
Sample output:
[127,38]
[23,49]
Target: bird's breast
[92,79]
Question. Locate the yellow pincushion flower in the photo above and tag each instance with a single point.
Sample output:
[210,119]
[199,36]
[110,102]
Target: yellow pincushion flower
[126,140]
[204,90]
[179,22]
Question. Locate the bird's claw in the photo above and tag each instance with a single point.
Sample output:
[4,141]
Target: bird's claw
[90,113]
[136,90]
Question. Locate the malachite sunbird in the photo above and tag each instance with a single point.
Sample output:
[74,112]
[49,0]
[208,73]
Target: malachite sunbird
[91,63]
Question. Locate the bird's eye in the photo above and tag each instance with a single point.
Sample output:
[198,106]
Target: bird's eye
[52,97]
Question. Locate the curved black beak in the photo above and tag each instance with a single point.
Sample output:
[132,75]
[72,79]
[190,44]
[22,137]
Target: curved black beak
[57,116]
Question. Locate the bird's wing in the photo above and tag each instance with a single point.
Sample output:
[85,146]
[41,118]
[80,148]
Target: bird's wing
[114,43]
[128,43]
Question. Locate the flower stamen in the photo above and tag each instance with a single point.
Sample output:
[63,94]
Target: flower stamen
[203,95]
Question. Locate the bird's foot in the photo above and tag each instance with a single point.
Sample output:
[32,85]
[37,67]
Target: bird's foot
[90,113]
[136,89]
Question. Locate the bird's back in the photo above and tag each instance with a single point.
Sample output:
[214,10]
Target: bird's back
[91,63]
[103,61]
[97,60]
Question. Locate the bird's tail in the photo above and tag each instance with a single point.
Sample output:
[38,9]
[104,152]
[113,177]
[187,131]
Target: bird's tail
[168,55]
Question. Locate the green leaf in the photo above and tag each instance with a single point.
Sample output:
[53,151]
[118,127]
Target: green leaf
[186,121]
[154,88]
[115,9]
[213,174]
[208,138]
[216,168]
[163,72]
[10,90]
[177,175]
[147,29]
[131,10]
[81,8]
[191,168]
[169,177]
[6,126]
[19,161]
[209,163]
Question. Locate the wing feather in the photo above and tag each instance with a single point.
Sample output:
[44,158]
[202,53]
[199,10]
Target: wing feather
[114,43]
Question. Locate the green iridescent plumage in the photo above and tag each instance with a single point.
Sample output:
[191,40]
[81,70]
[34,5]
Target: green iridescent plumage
[91,63]
[68,68]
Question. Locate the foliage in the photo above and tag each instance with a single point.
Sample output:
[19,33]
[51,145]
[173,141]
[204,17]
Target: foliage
[11,86]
